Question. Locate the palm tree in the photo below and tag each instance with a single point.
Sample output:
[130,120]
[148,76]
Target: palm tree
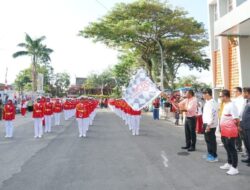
[38,52]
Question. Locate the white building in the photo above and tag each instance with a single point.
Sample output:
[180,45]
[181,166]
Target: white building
[229,22]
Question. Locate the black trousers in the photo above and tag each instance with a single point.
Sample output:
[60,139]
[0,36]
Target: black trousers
[246,140]
[232,156]
[239,142]
[210,139]
[190,125]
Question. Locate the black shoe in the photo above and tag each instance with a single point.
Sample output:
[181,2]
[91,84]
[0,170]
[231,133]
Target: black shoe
[246,161]
[244,155]
[185,147]
[239,150]
[248,164]
[192,149]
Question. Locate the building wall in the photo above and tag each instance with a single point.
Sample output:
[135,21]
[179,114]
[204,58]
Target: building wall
[218,69]
[233,66]
[230,61]
[244,46]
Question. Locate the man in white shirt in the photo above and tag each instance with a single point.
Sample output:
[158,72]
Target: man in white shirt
[210,123]
[240,103]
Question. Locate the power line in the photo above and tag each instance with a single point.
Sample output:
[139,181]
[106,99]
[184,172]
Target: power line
[100,3]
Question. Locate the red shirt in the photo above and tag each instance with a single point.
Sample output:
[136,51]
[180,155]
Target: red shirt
[38,110]
[81,110]
[48,108]
[57,107]
[67,105]
[9,112]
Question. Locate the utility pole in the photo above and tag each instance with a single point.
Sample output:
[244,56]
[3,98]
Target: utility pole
[162,65]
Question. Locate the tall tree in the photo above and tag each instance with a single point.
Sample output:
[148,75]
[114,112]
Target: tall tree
[62,82]
[165,38]
[38,52]
[191,81]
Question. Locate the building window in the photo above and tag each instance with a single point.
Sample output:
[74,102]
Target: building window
[229,5]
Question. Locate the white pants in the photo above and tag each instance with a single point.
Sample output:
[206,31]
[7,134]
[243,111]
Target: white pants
[47,123]
[66,114]
[82,126]
[135,124]
[57,118]
[9,129]
[38,127]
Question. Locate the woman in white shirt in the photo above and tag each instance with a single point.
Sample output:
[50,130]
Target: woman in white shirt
[229,132]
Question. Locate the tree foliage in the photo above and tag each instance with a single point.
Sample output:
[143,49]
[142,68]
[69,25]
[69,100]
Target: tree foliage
[37,51]
[62,82]
[191,81]
[146,26]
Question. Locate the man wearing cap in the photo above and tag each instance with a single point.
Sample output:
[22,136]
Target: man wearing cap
[82,118]
[9,112]
[66,108]
[48,111]
[57,109]
[38,114]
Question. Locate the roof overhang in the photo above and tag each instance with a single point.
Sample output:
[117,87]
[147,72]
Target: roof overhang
[235,23]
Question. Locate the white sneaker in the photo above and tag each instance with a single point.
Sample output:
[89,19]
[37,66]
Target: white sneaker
[80,136]
[84,135]
[233,171]
[226,166]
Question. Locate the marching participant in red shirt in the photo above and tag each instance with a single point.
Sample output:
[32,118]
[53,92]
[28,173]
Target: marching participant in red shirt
[57,109]
[82,118]
[9,112]
[48,111]
[38,114]
[66,109]
[135,116]
[23,107]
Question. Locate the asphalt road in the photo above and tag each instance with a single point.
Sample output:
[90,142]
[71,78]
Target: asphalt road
[110,158]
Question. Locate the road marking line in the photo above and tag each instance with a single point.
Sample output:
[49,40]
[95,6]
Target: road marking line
[165,159]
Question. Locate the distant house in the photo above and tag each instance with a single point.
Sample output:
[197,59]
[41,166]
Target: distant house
[229,43]
[80,81]
[78,87]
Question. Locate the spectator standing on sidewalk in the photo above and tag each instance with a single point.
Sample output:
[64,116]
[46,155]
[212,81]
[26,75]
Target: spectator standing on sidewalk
[240,104]
[245,125]
[210,123]
[199,121]
[1,109]
[229,132]
[190,107]
[156,105]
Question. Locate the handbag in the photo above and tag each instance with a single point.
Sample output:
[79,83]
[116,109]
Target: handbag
[229,128]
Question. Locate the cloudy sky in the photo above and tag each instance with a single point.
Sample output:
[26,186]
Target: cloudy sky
[60,21]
